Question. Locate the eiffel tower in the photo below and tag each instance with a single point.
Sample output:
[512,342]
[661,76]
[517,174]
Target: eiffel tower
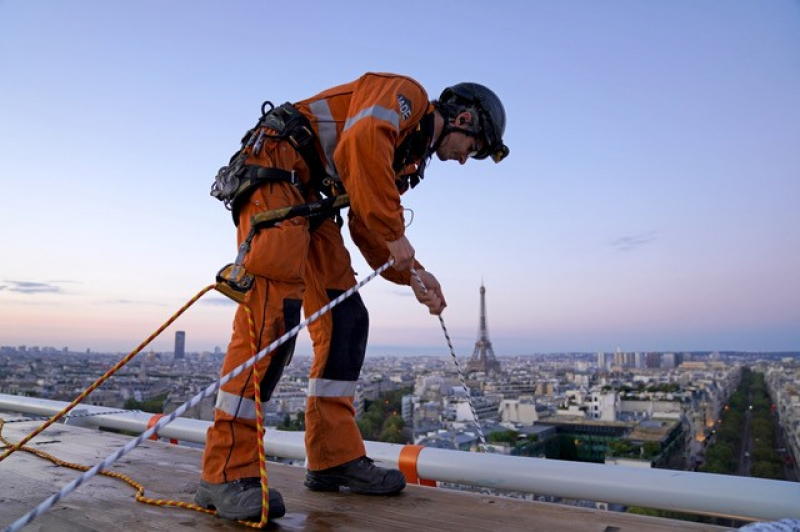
[483,359]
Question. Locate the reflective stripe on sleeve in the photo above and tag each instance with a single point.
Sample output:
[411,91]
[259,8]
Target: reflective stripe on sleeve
[379,112]
[329,388]
[327,132]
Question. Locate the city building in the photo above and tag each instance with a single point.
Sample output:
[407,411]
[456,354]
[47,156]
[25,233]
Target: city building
[180,345]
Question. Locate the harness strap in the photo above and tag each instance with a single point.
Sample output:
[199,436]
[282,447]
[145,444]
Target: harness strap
[413,151]
[252,176]
[297,128]
[254,172]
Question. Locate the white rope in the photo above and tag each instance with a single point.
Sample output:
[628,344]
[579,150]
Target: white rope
[166,420]
[458,367]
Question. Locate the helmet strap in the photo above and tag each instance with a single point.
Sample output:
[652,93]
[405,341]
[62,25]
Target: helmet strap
[449,113]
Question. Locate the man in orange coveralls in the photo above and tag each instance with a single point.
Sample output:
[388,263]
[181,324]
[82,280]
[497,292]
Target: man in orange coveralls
[370,139]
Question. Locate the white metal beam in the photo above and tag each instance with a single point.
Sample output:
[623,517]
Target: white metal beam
[702,493]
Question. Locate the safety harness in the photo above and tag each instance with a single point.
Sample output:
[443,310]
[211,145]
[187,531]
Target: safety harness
[236,181]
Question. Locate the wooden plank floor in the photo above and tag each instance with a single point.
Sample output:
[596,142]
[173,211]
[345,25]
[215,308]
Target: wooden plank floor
[173,471]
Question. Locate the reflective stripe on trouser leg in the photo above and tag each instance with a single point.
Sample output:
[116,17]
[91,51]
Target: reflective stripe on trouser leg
[340,339]
[231,450]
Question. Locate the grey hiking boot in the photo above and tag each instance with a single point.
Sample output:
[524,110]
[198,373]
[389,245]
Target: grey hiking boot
[360,475]
[239,499]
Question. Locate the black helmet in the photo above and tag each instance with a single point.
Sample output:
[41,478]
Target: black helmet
[491,114]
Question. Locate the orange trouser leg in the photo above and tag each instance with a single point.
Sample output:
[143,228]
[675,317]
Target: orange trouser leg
[277,260]
[340,341]
[231,450]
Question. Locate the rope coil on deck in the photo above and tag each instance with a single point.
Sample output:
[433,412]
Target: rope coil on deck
[140,489]
[161,423]
[140,497]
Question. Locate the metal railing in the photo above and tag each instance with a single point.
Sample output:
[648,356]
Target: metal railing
[700,493]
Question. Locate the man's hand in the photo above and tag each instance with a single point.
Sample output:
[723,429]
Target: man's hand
[402,253]
[432,297]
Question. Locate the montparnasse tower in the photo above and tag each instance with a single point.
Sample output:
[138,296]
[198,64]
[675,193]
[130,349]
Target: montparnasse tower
[483,359]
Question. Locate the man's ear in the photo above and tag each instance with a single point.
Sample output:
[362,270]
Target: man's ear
[464,118]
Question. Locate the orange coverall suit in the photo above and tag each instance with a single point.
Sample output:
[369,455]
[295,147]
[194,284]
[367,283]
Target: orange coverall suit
[358,125]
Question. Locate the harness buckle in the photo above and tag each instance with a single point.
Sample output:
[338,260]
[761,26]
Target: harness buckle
[300,137]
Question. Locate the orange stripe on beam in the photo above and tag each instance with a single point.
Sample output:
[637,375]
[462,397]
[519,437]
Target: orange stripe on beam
[152,423]
[409,456]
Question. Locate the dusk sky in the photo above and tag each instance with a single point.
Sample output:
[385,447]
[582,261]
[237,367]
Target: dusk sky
[651,200]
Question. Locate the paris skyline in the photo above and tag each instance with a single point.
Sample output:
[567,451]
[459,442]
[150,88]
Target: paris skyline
[649,200]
